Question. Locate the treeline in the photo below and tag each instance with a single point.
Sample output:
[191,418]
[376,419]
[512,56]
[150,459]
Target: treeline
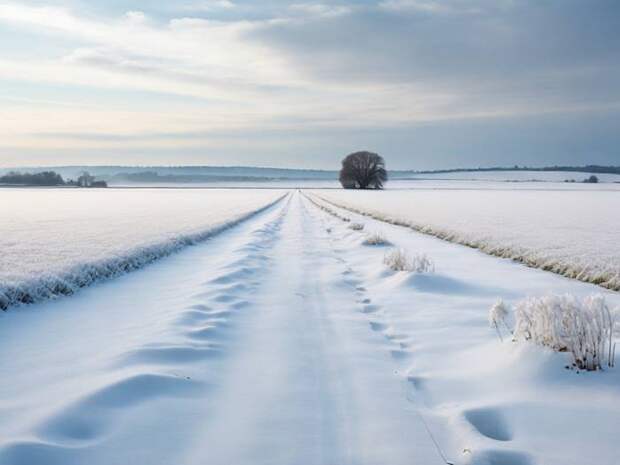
[45,178]
[154,177]
[578,169]
[49,178]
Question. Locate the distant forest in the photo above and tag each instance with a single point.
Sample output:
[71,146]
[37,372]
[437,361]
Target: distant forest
[577,169]
[153,176]
[45,178]
[49,178]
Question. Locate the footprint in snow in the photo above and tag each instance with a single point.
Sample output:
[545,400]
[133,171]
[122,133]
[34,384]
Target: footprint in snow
[490,422]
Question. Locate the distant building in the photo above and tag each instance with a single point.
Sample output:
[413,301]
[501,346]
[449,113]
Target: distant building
[86,180]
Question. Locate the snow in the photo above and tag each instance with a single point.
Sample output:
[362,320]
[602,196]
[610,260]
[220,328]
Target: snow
[486,401]
[518,176]
[54,241]
[246,349]
[572,232]
[285,340]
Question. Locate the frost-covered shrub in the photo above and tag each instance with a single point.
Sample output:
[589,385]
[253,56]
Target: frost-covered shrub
[376,238]
[565,323]
[356,226]
[422,264]
[498,317]
[400,260]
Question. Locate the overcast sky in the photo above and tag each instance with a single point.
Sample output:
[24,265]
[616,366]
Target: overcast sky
[426,83]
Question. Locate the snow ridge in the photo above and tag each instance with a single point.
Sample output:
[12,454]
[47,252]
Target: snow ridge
[56,285]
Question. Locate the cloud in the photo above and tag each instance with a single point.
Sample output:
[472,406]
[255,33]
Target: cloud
[135,17]
[429,6]
[525,50]
[265,66]
[210,5]
[320,9]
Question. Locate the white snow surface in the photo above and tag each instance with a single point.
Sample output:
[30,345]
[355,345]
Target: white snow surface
[53,241]
[285,340]
[573,232]
[519,176]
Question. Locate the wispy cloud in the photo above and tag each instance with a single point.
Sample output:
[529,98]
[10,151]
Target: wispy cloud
[210,5]
[320,9]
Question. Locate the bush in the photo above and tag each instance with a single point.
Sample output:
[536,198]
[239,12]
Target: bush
[376,238]
[356,226]
[400,260]
[565,323]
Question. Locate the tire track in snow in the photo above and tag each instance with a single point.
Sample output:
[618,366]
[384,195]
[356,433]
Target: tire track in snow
[398,344]
[308,388]
[378,321]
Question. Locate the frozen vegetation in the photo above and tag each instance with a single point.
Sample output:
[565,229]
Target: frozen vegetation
[572,232]
[399,259]
[376,238]
[584,327]
[54,241]
[565,323]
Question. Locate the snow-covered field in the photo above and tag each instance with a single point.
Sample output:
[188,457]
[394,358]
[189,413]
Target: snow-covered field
[518,176]
[289,338]
[53,241]
[573,232]
[477,184]
[487,401]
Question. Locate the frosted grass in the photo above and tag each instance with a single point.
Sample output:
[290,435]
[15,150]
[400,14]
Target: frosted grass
[54,241]
[575,233]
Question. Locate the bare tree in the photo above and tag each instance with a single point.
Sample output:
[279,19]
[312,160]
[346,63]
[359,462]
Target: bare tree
[363,170]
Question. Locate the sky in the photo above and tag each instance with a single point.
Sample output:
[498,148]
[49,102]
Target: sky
[428,84]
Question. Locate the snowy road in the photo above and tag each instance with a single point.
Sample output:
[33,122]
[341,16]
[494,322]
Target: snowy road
[286,341]
[247,349]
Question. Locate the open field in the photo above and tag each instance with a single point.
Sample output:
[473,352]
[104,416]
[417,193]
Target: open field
[285,336]
[54,241]
[518,176]
[570,231]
